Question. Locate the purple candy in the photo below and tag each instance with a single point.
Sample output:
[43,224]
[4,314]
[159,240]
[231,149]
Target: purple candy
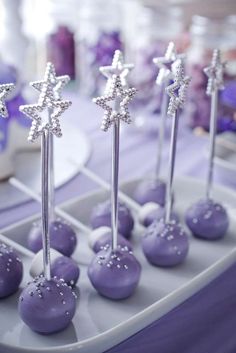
[62,238]
[165,244]
[11,271]
[207,219]
[65,268]
[157,215]
[151,191]
[47,306]
[101,216]
[114,274]
[106,240]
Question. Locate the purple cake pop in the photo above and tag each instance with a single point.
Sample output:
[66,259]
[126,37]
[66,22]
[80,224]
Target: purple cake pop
[114,273]
[47,306]
[102,236]
[101,216]
[207,219]
[151,191]
[62,237]
[11,271]
[62,267]
[165,244]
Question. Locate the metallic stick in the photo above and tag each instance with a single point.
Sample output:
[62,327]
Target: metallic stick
[115,182]
[160,140]
[45,204]
[173,142]
[213,118]
[51,173]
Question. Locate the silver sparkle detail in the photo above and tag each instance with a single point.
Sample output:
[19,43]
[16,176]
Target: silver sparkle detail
[118,68]
[5,90]
[215,73]
[177,90]
[116,93]
[166,64]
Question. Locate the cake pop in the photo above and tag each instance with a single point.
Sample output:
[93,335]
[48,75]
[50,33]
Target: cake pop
[165,243]
[11,271]
[47,304]
[154,190]
[115,272]
[101,216]
[62,267]
[63,237]
[206,218]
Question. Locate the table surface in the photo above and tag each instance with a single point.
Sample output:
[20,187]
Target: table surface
[136,147]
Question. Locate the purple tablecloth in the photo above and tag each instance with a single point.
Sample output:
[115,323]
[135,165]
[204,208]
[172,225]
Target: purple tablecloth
[136,147]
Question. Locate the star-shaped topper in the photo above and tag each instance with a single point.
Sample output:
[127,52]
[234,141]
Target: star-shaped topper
[121,97]
[51,87]
[215,73]
[5,90]
[165,64]
[118,67]
[34,112]
[177,90]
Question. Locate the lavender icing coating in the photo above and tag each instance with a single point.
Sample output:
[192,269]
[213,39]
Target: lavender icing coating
[165,244]
[47,306]
[114,274]
[65,268]
[62,237]
[157,215]
[11,271]
[207,219]
[151,191]
[106,240]
[101,216]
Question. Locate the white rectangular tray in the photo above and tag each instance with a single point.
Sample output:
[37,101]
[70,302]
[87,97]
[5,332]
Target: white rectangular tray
[99,323]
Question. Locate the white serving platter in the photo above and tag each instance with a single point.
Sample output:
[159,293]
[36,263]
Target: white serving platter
[99,323]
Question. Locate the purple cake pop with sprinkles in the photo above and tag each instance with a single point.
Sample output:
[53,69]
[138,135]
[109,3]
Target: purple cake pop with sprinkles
[154,190]
[47,304]
[11,271]
[63,237]
[101,216]
[206,218]
[115,272]
[165,243]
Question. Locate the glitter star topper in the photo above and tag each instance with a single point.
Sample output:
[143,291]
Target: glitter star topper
[49,100]
[177,90]
[166,64]
[121,97]
[5,90]
[215,73]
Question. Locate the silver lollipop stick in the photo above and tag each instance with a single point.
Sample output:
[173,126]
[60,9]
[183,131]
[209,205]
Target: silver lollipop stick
[5,91]
[116,93]
[164,77]
[177,94]
[215,83]
[52,86]
[45,128]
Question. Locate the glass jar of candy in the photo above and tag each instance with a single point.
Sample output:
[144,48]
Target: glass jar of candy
[207,35]
[153,29]
[99,35]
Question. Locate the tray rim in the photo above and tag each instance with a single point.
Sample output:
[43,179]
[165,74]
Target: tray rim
[148,314]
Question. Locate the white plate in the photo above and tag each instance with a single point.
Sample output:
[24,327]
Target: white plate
[99,323]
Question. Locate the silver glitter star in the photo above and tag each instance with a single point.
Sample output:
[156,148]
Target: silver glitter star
[165,64]
[120,111]
[118,67]
[177,90]
[215,73]
[5,90]
[52,85]
[34,112]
